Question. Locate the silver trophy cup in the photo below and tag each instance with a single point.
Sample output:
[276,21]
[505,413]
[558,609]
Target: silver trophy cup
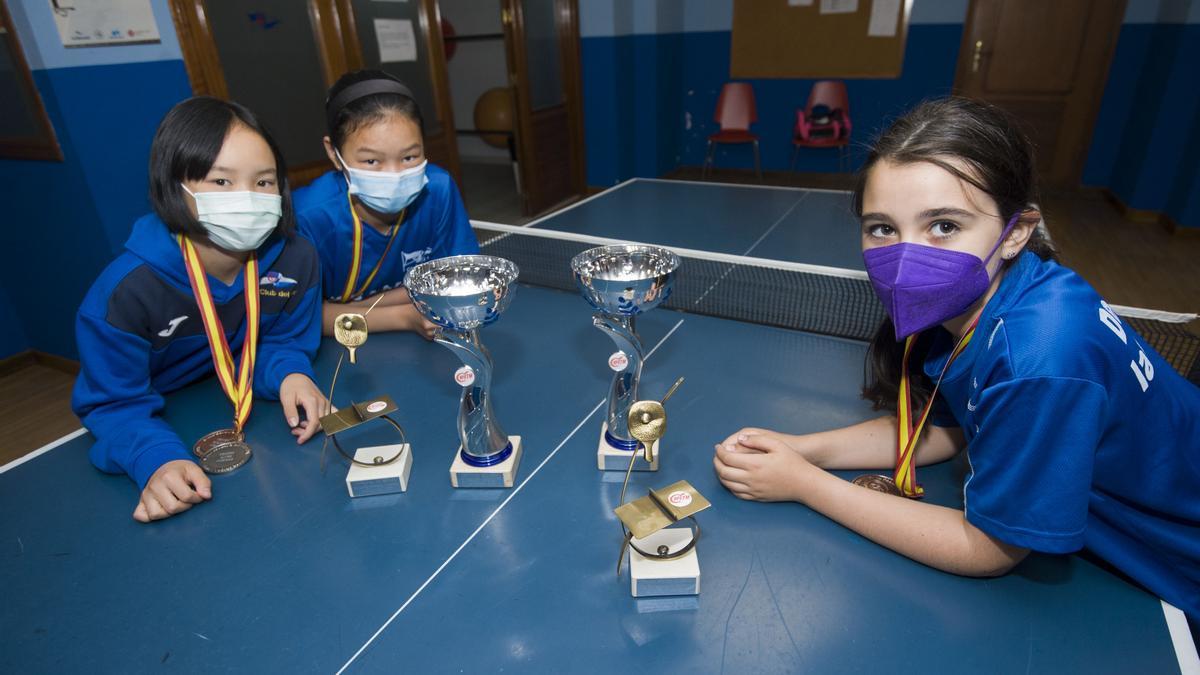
[621,282]
[461,294]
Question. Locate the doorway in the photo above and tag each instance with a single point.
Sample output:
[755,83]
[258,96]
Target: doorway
[513,74]
[1046,63]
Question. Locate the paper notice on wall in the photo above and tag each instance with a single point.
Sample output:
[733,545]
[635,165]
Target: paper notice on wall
[800,3]
[85,23]
[839,6]
[396,40]
[884,17]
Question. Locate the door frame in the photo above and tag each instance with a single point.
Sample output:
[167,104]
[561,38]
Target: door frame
[567,24]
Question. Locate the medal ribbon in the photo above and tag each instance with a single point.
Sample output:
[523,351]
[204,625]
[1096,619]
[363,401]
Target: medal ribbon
[356,260]
[907,435]
[237,384]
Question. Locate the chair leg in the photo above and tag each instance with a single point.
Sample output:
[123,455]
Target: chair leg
[757,164]
[708,161]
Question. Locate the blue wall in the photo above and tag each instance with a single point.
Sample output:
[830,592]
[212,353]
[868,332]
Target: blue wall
[1146,145]
[652,71]
[12,336]
[64,221]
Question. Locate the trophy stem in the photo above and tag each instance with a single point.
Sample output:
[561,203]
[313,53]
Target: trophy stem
[483,442]
[623,392]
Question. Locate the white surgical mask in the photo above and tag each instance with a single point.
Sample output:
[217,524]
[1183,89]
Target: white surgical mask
[384,191]
[237,221]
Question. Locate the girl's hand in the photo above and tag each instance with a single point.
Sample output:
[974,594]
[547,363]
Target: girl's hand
[411,319]
[174,488]
[806,445]
[298,392]
[762,467]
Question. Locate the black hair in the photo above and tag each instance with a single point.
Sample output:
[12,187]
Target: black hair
[980,144]
[187,142]
[377,95]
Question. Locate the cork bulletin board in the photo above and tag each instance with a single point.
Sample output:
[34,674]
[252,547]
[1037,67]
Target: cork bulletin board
[818,38]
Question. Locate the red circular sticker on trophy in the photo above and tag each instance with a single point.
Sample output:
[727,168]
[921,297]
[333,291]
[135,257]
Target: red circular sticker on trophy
[680,498]
[465,376]
[619,361]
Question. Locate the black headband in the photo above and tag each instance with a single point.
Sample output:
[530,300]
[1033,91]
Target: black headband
[361,90]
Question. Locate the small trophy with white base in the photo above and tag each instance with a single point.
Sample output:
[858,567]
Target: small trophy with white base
[662,559]
[375,470]
[461,294]
[621,282]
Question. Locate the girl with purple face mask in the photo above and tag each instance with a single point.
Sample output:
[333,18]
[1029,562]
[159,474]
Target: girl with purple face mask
[1077,434]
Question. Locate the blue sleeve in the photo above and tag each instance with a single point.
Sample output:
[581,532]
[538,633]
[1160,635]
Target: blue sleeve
[114,399]
[458,238]
[1032,459]
[291,342]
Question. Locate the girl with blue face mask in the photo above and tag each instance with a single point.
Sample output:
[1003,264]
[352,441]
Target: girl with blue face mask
[383,208]
[1077,434]
[213,279]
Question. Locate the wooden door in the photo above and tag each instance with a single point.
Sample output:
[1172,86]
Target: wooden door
[542,40]
[268,59]
[280,58]
[423,70]
[1047,63]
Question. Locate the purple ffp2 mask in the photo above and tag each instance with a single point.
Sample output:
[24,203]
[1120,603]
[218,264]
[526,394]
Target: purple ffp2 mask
[922,286]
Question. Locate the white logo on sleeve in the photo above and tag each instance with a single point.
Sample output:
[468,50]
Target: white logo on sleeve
[170,329]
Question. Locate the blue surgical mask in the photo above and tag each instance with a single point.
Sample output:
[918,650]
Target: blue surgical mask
[237,221]
[384,191]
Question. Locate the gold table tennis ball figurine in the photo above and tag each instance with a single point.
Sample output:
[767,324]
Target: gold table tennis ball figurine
[350,330]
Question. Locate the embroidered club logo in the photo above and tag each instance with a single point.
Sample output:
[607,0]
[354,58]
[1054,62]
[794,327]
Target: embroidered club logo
[415,257]
[276,280]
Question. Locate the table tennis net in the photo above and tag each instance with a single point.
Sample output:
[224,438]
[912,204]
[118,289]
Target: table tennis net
[811,298]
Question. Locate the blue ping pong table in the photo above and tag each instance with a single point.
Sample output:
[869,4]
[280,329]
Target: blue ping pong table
[283,572]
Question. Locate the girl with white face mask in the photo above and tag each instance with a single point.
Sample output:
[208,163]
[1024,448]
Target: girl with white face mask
[1077,434]
[214,279]
[383,208]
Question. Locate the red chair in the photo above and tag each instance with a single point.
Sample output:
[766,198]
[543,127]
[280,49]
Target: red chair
[735,113]
[830,126]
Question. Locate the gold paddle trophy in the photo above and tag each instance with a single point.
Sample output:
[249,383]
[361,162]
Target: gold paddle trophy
[662,559]
[373,470]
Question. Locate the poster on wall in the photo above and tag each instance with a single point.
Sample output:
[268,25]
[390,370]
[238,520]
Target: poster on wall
[396,40]
[88,23]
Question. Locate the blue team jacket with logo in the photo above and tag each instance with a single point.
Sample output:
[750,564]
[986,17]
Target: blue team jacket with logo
[140,336]
[1079,435]
[435,226]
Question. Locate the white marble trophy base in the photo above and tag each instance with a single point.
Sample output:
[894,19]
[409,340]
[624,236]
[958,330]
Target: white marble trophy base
[678,576]
[502,475]
[609,458]
[379,479]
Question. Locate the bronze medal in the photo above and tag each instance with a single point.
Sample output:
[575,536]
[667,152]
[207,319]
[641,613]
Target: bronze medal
[878,483]
[222,451]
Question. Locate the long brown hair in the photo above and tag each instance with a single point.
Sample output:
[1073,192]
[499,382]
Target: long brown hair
[951,133]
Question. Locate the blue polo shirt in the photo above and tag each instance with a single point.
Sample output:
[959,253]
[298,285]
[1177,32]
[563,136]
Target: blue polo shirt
[434,226]
[1079,435]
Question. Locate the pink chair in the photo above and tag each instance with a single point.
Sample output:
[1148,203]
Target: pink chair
[735,113]
[825,120]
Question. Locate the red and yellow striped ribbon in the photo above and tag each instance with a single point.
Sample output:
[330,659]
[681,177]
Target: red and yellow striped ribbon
[356,260]
[908,434]
[238,385]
